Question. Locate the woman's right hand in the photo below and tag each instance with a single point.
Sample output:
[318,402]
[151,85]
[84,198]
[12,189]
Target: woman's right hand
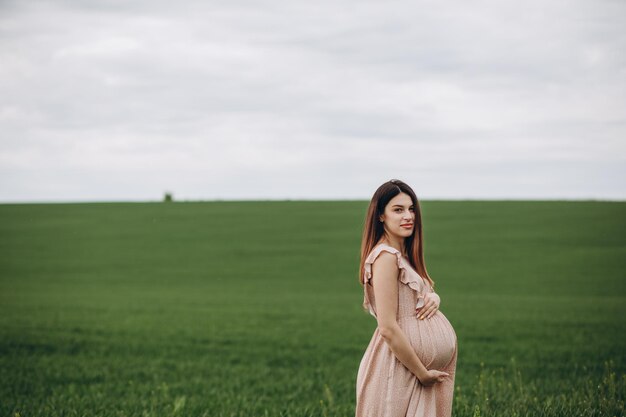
[433,376]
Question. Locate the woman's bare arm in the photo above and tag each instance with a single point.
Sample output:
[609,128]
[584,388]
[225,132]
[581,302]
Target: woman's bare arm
[385,272]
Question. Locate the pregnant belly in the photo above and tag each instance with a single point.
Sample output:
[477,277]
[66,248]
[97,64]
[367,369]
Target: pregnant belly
[433,339]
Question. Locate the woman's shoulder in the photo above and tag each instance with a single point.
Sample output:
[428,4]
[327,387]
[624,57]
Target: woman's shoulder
[382,247]
[374,254]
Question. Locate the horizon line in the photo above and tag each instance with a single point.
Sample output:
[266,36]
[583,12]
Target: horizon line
[256,200]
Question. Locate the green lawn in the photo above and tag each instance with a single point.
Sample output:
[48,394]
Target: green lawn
[254,308]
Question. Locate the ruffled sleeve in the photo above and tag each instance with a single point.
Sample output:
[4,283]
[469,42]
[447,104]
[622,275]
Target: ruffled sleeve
[374,254]
[410,278]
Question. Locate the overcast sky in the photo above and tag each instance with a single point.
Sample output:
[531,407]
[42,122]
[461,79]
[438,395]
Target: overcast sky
[289,99]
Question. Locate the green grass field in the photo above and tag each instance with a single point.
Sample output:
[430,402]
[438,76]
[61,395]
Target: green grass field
[254,308]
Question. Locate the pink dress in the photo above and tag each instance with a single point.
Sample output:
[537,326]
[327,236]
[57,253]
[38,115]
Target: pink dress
[384,386]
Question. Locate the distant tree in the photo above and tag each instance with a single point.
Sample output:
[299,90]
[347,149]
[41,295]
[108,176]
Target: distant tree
[168,197]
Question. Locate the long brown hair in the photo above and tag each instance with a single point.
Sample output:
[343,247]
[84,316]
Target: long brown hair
[374,229]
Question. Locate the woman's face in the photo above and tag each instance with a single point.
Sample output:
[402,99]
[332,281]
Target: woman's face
[399,213]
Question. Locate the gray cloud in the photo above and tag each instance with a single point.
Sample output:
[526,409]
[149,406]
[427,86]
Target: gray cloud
[283,99]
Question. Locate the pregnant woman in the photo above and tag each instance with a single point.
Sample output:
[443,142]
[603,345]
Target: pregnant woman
[408,367]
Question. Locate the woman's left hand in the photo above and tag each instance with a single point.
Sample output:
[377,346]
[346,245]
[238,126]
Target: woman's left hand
[431,305]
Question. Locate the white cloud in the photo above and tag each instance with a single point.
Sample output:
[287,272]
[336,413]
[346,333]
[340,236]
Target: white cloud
[483,100]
